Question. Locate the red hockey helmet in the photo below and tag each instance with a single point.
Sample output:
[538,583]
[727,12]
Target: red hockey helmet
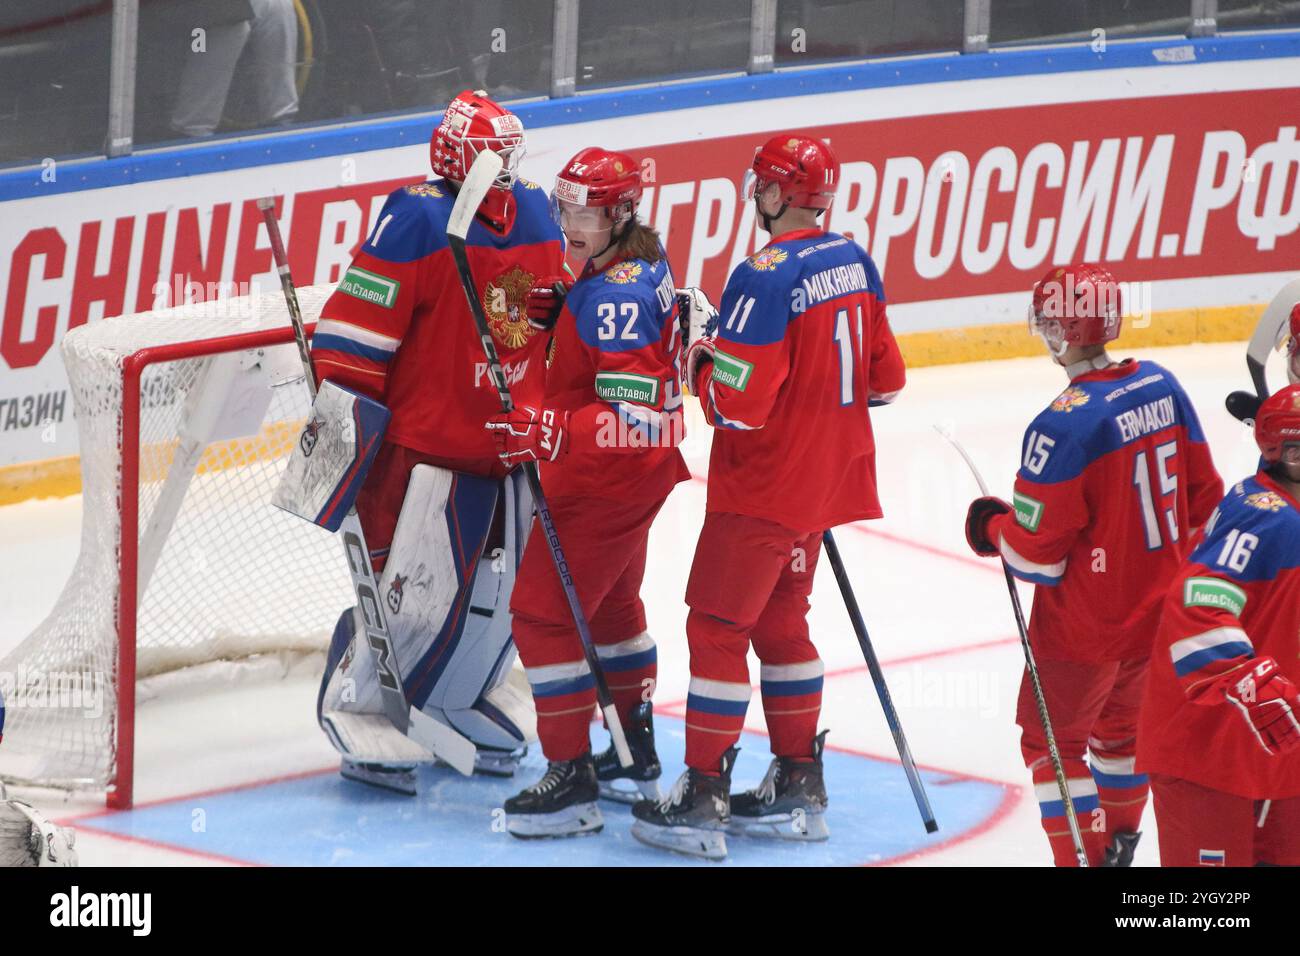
[1277,423]
[1076,305]
[473,123]
[597,189]
[806,169]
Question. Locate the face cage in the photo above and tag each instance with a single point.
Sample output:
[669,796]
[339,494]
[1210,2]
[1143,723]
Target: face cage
[511,150]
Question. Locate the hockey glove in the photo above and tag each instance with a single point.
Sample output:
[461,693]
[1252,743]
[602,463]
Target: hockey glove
[529,434]
[1268,702]
[544,302]
[980,513]
[699,324]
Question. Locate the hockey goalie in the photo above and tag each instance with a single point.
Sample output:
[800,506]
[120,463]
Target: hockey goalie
[443,520]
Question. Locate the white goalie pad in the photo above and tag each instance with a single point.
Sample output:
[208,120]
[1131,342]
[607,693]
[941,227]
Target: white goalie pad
[27,839]
[446,592]
[334,451]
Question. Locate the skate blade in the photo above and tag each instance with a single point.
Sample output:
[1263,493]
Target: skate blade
[808,828]
[403,783]
[616,791]
[690,841]
[578,820]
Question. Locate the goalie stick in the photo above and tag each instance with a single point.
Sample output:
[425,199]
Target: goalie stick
[477,182]
[1031,666]
[878,677]
[1269,334]
[438,739]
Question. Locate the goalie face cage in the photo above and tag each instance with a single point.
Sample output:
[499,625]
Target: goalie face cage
[185,419]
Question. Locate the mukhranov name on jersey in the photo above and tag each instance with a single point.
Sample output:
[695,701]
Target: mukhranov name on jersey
[839,280]
[1146,419]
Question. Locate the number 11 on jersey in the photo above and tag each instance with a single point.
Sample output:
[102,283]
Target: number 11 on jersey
[850,352]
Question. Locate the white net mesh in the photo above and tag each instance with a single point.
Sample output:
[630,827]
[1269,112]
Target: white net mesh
[222,574]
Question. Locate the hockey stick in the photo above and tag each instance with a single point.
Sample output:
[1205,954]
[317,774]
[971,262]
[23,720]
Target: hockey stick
[437,738]
[1268,335]
[878,677]
[1062,782]
[472,190]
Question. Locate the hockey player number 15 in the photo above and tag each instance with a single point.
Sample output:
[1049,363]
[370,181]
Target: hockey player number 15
[1168,486]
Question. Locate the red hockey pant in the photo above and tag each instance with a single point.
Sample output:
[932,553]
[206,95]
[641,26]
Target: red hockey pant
[1094,711]
[749,584]
[604,544]
[1203,827]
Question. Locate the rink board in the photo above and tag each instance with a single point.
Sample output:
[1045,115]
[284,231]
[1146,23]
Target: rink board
[323,820]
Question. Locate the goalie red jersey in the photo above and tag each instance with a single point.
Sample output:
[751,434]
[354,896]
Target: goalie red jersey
[398,329]
[1115,477]
[803,348]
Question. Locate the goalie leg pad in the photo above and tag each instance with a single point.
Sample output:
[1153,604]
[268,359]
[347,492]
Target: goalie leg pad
[446,596]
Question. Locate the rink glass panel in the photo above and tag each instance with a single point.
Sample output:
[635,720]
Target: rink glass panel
[54,57]
[1034,21]
[1257,15]
[631,41]
[813,31]
[357,60]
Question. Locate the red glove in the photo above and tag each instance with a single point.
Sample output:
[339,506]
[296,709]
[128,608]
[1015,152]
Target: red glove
[978,516]
[544,302]
[529,434]
[1268,701]
[698,355]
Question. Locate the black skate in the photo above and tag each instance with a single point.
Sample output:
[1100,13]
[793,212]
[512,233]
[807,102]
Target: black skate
[790,803]
[1121,849]
[692,819]
[561,804]
[645,769]
[399,778]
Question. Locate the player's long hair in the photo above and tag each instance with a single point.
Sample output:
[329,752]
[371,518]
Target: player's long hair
[640,241]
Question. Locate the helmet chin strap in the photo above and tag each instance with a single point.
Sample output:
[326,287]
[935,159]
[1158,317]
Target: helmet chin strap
[768,220]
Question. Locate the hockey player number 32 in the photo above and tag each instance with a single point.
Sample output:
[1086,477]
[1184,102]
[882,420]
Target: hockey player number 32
[608,325]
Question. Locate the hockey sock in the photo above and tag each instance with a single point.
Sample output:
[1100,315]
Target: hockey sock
[565,696]
[715,716]
[631,668]
[1122,793]
[1083,794]
[792,703]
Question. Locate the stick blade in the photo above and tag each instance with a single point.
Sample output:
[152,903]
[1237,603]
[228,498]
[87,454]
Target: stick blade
[481,175]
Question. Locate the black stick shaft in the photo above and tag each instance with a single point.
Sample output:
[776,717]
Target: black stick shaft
[878,677]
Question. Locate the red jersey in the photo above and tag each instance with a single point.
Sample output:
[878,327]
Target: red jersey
[1236,598]
[1115,477]
[398,329]
[615,369]
[803,347]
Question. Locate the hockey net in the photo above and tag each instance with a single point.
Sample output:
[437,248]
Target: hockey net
[185,418]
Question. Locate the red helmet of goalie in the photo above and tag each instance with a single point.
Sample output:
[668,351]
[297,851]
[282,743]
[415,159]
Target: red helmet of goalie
[805,168]
[1076,305]
[1293,346]
[474,123]
[1277,424]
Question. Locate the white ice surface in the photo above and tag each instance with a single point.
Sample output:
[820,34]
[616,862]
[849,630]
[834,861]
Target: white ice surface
[921,591]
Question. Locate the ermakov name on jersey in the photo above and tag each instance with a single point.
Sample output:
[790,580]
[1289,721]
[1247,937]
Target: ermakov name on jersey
[1147,419]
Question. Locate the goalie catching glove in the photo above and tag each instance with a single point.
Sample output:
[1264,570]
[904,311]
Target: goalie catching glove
[529,433]
[699,324]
